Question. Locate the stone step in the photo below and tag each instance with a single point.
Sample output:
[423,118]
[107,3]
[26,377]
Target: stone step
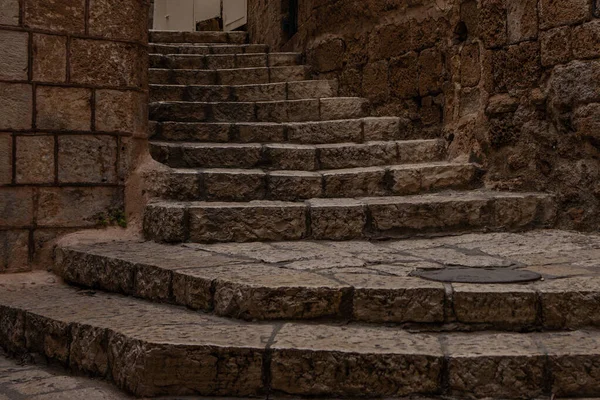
[258,184]
[261,92]
[311,132]
[295,156]
[344,219]
[330,108]
[355,281]
[152,350]
[236,76]
[182,48]
[224,61]
[198,37]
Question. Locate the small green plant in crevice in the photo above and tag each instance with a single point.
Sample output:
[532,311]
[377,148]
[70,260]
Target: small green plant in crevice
[112,216]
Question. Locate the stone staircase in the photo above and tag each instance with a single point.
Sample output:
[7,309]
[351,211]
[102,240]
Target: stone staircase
[272,261]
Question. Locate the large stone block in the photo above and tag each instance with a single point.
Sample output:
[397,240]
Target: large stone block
[106,63]
[9,12]
[587,120]
[585,40]
[17,206]
[61,108]
[390,41]
[49,58]
[404,76]
[87,159]
[34,159]
[522,20]
[337,219]
[555,13]
[15,106]
[6,159]
[575,83]
[76,207]
[14,63]
[375,83]
[431,71]
[470,65]
[14,251]
[53,15]
[118,19]
[492,21]
[517,67]
[555,46]
[327,55]
[121,111]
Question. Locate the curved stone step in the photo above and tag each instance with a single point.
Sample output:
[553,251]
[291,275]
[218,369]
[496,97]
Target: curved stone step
[189,48]
[260,92]
[355,281]
[153,350]
[236,76]
[197,37]
[330,108]
[296,156]
[343,219]
[257,184]
[224,61]
[308,132]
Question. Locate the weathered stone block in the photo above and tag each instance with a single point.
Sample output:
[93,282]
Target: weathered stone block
[9,12]
[35,159]
[337,219]
[517,66]
[404,76]
[587,120]
[327,55]
[121,111]
[375,82]
[470,65]
[14,252]
[116,19]
[354,183]
[60,16]
[294,185]
[49,58]
[556,46]
[431,71]
[15,106]
[107,63]
[554,13]
[233,185]
[289,156]
[14,63]
[574,83]
[88,350]
[570,303]
[6,171]
[17,206]
[165,224]
[56,205]
[63,108]
[585,40]
[522,20]
[492,21]
[390,41]
[87,159]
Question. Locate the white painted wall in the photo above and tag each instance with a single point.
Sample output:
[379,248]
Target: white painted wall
[182,15]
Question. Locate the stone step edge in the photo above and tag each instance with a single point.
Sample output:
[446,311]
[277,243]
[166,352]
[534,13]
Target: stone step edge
[254,359]
[212,103]
[241,70]
[414,302]
[203,61]
[345,219]
[370,129]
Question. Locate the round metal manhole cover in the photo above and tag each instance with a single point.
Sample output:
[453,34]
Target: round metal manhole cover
[477,275]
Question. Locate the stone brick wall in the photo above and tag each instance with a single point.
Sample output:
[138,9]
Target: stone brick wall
[512,84]
[72,107]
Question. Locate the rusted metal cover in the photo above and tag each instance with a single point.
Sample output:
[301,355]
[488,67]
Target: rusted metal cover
[477,275]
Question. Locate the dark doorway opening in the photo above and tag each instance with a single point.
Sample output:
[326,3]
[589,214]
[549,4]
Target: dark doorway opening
[289,10]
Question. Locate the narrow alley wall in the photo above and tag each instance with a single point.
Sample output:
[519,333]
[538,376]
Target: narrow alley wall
[73,105]
[511,84]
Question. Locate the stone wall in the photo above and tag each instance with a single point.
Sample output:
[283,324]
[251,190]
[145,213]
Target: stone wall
[72,107]
[512,84]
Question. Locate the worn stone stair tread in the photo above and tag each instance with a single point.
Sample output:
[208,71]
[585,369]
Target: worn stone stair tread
[356,280]
[290,156]
[233,76]
[309,132]
[224,61]
[231,184]
[128,341]
[190,48]
[293,90]
[321,109]
[344,219]
[157,36]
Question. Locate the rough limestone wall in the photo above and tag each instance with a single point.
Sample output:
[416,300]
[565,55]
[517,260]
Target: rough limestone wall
[72,115]
[512,84]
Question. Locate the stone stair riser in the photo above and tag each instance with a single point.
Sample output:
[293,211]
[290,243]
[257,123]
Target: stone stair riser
[224,61]
[298,157]
[198,37]
[248,185]
[322,220]
[245,93]
[179,48]
[238,76]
